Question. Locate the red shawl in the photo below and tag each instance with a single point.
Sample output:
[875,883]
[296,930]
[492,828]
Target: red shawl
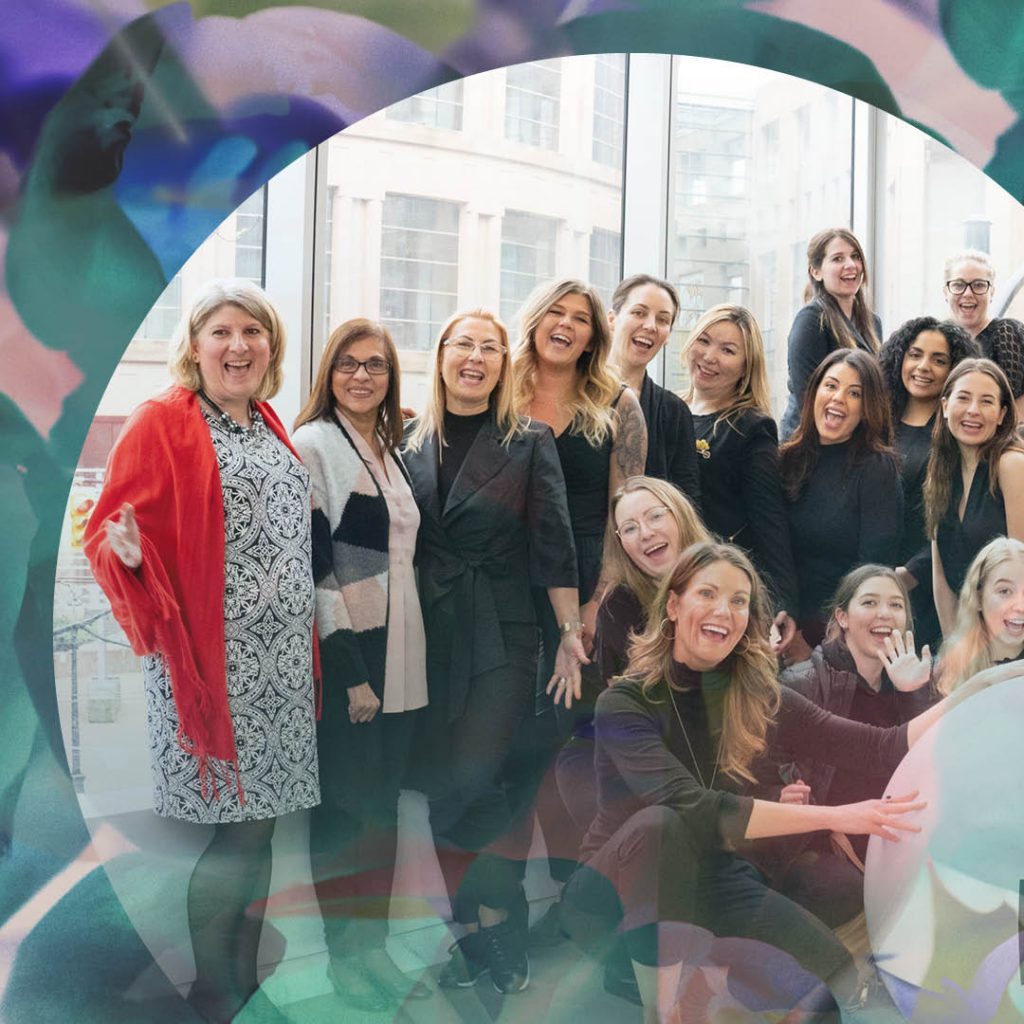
[164,465]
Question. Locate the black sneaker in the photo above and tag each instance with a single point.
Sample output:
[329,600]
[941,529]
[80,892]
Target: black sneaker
[466,964]
[505,954]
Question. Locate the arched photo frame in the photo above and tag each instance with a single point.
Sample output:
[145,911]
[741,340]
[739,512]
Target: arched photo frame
[243,90]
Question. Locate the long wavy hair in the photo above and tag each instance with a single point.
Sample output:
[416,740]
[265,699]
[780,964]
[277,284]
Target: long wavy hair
[321,402]
[847,591]
[831,317]
[944,460]
[616,566]
[596,386]
[430,422]
[960,344]
[752,390]
[251,299]
[752,698]
[967,651]
[873,435]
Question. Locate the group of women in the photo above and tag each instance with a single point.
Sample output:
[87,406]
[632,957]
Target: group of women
[553,522]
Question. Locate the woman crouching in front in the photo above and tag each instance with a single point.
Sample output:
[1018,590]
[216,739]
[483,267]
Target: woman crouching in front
[676,741]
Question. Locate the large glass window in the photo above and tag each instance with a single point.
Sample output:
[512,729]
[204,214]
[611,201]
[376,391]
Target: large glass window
[419,267]
[532,102]
[165,314]
[760,162]
[609,100]
[440,107]
[605,261]
[249,237]
[527,258]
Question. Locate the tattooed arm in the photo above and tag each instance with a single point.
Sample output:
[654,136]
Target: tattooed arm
[629,450]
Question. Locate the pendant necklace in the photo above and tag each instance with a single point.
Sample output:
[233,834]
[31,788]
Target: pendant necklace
[228,421]
[689,746]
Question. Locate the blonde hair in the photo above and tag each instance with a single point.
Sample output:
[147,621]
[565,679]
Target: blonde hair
[596,386]
[967,651]
[251,299]
[752,698]
[321,402]
[616,566]
[430,423]
[752,387]
[970,256]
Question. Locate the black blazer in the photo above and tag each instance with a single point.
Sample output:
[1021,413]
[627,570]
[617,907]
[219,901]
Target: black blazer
[504,528]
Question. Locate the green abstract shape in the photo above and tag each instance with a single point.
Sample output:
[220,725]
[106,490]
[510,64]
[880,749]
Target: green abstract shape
[987,40]
[434,25]
[734,33]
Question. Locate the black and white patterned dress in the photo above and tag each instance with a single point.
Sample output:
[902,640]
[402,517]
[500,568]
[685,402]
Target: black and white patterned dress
[268,617]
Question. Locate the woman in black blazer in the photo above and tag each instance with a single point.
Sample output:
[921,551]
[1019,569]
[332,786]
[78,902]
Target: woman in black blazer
[494,523]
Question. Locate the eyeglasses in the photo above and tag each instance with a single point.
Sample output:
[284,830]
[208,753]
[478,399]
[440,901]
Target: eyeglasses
[958,286]
[652,519]
[465,347]
[377,365]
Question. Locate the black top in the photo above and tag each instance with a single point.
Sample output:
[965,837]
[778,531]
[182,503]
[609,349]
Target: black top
[1002,341]
[742,495]
[503,527]
[642,758]
[459,434]
[809,343]
[914,445]
[984,520]
[670,452]
[849,513]
[620,613]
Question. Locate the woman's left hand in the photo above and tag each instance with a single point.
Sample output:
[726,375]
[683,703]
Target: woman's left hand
[566,684]
[906,670]
[784,626]
[588,616]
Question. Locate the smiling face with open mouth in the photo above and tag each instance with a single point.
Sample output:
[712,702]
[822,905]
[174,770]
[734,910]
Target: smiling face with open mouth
[648,532]
[1002,609]
[838,404]
[232,350]
[970,311]
[641,327]
[470,379]
[360,393]
[876,609]
[842,270]
[973,409]
[710,615]
[926,365]
[565,331]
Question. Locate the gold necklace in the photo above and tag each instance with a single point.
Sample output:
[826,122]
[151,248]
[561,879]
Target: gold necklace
[689,746]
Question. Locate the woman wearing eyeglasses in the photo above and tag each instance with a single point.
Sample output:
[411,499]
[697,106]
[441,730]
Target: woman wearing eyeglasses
[494,525]
[372,650]
[970,284]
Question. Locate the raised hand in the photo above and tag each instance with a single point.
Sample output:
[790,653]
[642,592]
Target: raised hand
[906,670]
[878,817]
[124,539]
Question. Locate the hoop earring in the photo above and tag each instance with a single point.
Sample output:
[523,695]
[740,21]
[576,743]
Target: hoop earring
[661,629]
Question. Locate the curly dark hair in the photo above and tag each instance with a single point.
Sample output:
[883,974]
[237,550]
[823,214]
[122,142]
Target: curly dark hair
[961,346]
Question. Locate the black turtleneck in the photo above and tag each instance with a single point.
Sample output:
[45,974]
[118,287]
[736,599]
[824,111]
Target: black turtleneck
[459,434]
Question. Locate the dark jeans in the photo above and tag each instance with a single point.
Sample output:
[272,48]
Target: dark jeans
[353,837]
[651,883]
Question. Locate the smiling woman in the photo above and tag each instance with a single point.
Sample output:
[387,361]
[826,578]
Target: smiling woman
[841,479]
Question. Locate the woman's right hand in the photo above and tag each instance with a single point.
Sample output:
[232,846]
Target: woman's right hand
[363,703]
[878,817]
[124,539]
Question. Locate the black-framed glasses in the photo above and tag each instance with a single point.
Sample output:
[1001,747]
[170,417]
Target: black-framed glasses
[377,365]
[465,347]
[958,286]
[652,519]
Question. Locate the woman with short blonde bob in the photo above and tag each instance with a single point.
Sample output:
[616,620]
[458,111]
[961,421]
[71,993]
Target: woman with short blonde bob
[989,626]
[372,647]
[201,540]
[494,526]
[974,487]
[676,741]
[738,449]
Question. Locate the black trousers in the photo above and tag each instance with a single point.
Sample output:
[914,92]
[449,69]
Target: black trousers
[651,883]
[353,833]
